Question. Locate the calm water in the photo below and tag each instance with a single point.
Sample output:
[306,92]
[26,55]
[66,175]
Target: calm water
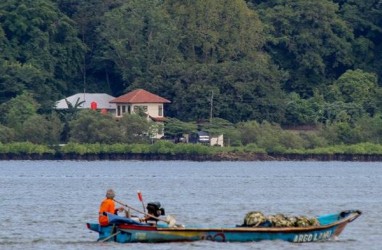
[45,204]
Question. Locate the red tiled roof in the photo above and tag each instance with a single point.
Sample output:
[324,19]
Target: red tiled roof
[139,96]
[158,119]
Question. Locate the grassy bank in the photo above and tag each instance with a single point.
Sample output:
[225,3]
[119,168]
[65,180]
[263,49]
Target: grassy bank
[169,151]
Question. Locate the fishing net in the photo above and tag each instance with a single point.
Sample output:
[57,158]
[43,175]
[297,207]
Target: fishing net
[256,218]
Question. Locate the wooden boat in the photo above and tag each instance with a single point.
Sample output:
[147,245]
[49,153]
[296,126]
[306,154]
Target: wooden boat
[126,230]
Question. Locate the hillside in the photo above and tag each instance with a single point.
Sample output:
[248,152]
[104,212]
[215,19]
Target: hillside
[291,63]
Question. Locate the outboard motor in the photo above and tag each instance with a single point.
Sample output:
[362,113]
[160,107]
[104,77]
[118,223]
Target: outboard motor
[155,209]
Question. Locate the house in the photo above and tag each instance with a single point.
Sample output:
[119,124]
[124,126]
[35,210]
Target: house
[139,99]
[97,101]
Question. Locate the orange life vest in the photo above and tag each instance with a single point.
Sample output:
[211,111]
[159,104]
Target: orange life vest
[107,205]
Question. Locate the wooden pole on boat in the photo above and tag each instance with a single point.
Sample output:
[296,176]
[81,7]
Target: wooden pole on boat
[149,215]
[139,211]
[141,200]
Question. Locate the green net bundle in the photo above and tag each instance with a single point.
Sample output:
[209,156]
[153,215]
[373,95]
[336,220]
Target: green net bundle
[256,218]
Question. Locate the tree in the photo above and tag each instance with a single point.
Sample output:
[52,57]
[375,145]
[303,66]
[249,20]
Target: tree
[39,129]
[134,128]
[217,126]
[221,43]
[90,126]
[249,131]
[216,31]
[140,41]
[357,87]
[308,39]
[187,50]
[339,111]
[7,135]
[370,128]
[98,74]
[174,127]
[267,136]
[17,110]
[67,115]
[16,77]
[342,133]
[41,42]
[300,111]
[241,91]
[365,17]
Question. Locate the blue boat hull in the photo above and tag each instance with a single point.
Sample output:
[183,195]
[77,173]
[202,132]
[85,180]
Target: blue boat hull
[125,230]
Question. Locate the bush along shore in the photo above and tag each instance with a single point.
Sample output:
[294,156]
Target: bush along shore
[190,152]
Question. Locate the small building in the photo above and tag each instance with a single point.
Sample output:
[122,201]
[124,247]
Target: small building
[96,101]
[217,141]
[140,99]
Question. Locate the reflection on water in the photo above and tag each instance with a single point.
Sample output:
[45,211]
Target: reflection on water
[45,204]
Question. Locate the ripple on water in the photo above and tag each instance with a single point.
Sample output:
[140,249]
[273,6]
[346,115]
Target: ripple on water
[45,204]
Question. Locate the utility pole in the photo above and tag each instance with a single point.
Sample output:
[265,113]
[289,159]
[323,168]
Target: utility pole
[211,102]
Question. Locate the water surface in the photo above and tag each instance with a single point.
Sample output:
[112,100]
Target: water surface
[45,204]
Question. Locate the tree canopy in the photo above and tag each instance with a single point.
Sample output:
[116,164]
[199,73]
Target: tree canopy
[41,52]
[290,62]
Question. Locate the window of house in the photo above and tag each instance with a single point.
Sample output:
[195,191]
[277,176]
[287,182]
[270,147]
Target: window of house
[140,107]
[123,109]
[160,110]
[129,109]
[118,110]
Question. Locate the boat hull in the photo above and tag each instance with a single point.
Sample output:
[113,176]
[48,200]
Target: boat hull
[126,232]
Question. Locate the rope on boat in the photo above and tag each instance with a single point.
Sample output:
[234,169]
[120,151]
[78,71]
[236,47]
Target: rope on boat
[110,236]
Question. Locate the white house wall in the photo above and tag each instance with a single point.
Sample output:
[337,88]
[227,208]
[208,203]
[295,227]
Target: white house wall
[152,109]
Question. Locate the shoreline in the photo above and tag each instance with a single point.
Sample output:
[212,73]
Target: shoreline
[194,157]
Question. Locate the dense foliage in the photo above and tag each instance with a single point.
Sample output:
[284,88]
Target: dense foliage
[246,65]
[27,150]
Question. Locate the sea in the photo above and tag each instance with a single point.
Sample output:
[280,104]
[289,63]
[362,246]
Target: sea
[46,204]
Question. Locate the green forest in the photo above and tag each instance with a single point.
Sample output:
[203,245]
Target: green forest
[250,69]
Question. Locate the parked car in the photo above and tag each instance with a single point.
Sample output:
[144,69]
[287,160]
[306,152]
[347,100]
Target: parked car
[174,138]
[200,137]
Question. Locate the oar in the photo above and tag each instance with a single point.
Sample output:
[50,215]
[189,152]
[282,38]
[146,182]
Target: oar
[139,211]
[141,200]
[152,216]
[111,236]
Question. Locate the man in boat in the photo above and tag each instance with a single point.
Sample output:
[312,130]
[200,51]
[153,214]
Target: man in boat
[108,205]
[154,210]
